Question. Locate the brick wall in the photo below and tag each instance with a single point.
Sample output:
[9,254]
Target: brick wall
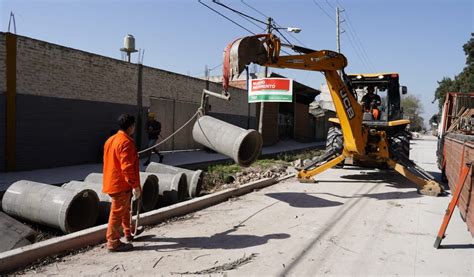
[3,83]
[3,88]
[2,132]
[89,81]
[270,123]
[301,122]
[457,151]
[52,70]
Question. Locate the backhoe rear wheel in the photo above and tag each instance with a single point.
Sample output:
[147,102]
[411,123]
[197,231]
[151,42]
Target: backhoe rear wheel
[335,142]
[401,144]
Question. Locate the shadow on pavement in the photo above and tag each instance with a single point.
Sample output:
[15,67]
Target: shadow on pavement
[439,178]
[457,246]
[303,200]
[223,240]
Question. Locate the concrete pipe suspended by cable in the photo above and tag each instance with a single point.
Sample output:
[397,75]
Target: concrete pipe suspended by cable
[104,199]
[148,182]
[173,188]
[193,178]
[52,206]
[243,146]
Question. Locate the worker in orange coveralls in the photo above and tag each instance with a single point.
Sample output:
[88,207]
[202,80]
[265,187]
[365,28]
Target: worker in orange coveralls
[121,178]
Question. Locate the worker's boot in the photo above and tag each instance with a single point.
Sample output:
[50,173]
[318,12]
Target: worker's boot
[121,247]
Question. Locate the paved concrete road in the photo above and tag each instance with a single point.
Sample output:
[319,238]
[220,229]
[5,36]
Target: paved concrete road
[353,222]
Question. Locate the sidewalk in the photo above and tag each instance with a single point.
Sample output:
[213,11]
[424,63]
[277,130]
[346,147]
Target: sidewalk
[191,160]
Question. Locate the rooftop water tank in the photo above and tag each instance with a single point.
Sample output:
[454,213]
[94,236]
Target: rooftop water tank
[129,43]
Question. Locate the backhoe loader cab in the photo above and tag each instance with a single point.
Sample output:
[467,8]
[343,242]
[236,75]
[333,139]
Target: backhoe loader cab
[387,86]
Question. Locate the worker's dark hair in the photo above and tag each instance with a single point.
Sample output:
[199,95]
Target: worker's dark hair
[125,121]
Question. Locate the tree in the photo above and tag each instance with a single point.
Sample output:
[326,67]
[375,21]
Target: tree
[434,119]
[412,108]
[463,82]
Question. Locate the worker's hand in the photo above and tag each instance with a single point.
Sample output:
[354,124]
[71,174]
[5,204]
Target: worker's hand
[137,193]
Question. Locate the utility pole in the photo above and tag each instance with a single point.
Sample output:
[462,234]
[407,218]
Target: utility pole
[338,30]
[262,104]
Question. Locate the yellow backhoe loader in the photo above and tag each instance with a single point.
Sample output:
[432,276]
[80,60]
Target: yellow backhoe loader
[382,142]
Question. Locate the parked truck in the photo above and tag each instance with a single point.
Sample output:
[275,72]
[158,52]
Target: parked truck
[456,149]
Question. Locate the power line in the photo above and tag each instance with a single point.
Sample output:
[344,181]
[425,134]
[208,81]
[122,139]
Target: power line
[329,4]
[358,52]
[238,12]
[363,62]
[357,38]
[324,11]
[254,9]
[200,2]
[351,37]
[289,33]
[244,16]
[276,23]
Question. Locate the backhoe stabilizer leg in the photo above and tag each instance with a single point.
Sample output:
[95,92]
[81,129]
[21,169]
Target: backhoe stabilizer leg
[306,176]
[426,186]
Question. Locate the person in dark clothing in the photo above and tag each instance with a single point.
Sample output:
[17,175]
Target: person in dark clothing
[371,102]
[153,128]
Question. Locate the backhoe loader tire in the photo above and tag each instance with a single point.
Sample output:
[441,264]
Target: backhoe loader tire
[401,144]
[335,142]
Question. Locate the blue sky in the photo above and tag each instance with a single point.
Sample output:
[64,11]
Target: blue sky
[420,39]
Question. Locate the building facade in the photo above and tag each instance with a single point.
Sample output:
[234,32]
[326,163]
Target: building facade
[61,104]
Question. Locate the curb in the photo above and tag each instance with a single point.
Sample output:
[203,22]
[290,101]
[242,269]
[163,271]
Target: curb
[15,258]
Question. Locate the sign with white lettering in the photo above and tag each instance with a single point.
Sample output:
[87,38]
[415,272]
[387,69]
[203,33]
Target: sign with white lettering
[271,90]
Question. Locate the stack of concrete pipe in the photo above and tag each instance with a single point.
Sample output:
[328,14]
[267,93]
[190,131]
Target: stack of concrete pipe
[193,178]
[169,189]
[243,146]
[61,208]
[173,188]
[149,184]
[104,199]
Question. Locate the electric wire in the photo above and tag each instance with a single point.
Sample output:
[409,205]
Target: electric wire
[244,16]
[324,11]
[219,13]
[357,50]
[359,41]
[238,12]
[276,23]
[355,34]
[363,62]
[330,5]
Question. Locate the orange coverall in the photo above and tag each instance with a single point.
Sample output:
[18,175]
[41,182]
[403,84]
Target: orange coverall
[121,175]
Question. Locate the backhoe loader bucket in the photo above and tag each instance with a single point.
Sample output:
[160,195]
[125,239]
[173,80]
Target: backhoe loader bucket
[241,53]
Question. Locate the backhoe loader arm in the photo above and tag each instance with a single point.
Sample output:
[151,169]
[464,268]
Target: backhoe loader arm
[264,50]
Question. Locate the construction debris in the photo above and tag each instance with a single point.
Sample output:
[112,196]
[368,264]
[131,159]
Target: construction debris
[224,267]
[14,234]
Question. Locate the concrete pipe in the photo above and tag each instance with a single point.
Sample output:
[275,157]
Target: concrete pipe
[104,199]
[243,146]
[193,178]
[52,206]
[148,182]
[173,188]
